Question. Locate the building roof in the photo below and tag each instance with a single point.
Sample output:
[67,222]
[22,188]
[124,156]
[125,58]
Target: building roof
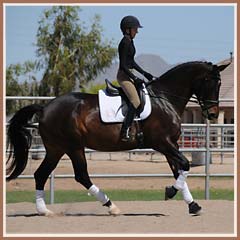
[227,87]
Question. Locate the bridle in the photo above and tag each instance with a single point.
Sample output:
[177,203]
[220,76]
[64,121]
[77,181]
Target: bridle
[206,104]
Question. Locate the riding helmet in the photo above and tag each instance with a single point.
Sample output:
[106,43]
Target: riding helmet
[129,22]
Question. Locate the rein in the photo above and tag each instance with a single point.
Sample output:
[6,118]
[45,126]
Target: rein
[172,95]
[204,104]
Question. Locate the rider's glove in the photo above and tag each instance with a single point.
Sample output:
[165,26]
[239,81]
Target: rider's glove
[138,80]
[148,76]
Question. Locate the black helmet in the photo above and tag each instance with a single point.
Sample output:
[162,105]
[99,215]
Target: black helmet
[129,22]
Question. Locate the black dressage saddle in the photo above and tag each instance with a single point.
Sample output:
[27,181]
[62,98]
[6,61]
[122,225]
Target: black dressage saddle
[113,91]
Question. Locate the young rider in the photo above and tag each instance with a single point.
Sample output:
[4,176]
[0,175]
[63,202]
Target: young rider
[129,26]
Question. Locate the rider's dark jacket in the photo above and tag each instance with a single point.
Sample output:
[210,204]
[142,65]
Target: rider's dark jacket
[126,51]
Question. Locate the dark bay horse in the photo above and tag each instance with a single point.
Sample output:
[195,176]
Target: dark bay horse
[72,122]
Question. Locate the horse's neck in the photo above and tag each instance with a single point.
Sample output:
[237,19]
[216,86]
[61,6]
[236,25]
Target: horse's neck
[176,92]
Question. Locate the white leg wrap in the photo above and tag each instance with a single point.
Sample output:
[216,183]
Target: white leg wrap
[183,187]
[187,196]
[100,196]
[40,203]
[181,180]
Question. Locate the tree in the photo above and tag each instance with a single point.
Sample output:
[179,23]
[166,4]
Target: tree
[71,54]
[20,81]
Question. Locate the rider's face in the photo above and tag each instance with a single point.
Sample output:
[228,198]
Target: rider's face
[133,32]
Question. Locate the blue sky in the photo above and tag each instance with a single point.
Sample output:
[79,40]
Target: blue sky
[176,33]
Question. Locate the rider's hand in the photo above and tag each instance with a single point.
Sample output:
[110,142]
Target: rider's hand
[148,76]
[138,80]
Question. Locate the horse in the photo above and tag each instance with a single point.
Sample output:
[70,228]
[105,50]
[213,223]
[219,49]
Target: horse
[71,122]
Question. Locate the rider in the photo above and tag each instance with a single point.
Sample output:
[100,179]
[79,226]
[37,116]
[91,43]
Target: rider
[129,26]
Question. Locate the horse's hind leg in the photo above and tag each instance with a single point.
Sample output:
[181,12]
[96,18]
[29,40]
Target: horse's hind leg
[81,175]
[41,175]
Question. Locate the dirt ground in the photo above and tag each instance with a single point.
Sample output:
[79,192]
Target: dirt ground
[137,217]
[148,218]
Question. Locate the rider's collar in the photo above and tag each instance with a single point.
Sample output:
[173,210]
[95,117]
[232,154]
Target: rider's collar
[128,36]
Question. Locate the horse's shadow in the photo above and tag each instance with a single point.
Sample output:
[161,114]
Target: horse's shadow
[108,215]
[23,215]
[90,215]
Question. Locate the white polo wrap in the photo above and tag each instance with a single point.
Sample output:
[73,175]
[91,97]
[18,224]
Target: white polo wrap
[100,196]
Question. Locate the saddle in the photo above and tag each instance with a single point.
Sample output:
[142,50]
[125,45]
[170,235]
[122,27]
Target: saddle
[113,104]
[112,90]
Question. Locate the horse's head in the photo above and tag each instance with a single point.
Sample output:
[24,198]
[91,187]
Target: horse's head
[208,88]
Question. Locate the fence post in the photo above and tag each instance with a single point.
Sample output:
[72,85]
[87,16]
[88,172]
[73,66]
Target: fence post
[222,143]
[52,188]
[207,160]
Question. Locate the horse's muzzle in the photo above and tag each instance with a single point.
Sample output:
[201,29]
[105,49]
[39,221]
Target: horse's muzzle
[211,113]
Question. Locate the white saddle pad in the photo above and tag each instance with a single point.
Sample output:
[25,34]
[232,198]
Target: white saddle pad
[111,112]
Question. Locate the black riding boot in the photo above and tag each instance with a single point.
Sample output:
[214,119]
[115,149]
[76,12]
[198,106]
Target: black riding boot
[127,123]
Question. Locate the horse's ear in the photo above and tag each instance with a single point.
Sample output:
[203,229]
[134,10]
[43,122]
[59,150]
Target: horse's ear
[222,67]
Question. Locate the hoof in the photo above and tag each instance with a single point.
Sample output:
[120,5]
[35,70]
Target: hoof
[170,192]
[49,213]
[114,210]
[42,209]
[194,208]
[46,213]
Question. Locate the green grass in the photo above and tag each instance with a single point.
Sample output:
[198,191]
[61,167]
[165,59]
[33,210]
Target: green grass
[115,195]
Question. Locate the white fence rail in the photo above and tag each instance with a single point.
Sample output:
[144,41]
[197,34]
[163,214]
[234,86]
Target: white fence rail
[210,138]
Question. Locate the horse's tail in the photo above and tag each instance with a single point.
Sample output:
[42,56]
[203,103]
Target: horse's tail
[19,138]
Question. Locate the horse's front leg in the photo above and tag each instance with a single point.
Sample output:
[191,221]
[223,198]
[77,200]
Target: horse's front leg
[180,168]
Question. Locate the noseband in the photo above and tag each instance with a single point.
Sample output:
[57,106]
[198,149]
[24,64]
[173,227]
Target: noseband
[205,104]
